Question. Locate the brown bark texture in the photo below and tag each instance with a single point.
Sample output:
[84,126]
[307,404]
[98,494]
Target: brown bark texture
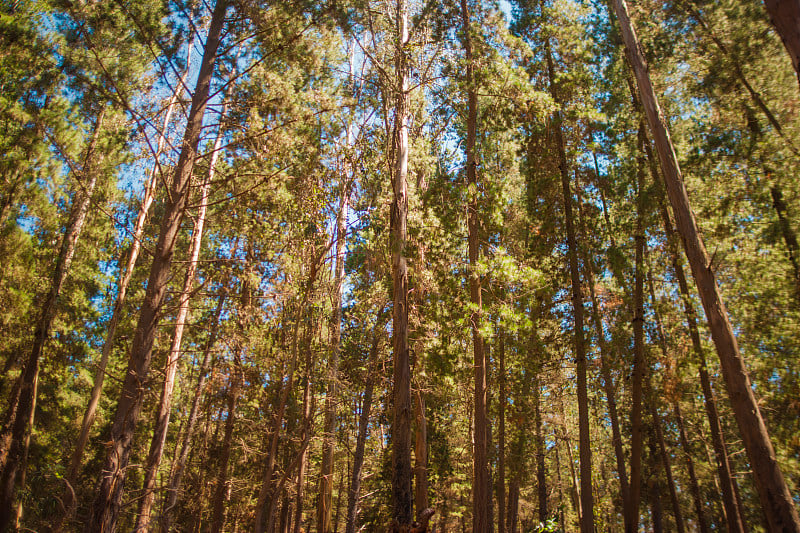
[401,388]
[785,16]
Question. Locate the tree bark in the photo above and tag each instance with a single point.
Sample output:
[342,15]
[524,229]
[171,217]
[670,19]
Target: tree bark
[501,434]
[421,457]
[541,477]
[480,485]
[308,419]
[122,290]
[13,440]
[109,494]
[775,497]
[265,491]
[173,358]
[605,369]
[789,237]
[665,460]
[325,491]
[585,451]
[222,488]
[695,487]
[401,388]
[363,426]
[179,468]
[785,16]
[733,515]
[632,518]
[653,492]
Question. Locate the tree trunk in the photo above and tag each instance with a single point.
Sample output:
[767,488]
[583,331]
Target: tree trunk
[401,393]
[501,434]
[218,502]
[585,451]
[178,469]
[265,491]
[23,476]
[421,457]
[109,494]
[733,512]
[541,478]
[173,358]
[480,485]
[574,483]
[308,420]
[14,441]
[789,237]
[605,370]
[126,274]
[695,487]
[632,518]
[363,426]
[785,16]
[653,492]
[513,503]
[328,441]
[665,459]
[776,499]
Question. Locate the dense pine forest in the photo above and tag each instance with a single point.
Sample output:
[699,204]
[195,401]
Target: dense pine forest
[405,266]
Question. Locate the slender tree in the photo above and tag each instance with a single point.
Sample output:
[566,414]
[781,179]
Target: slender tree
[401,394]
[775,497]
[585,452]
[110,489]
[20,410]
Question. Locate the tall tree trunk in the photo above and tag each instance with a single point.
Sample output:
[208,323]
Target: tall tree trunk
[665,459]
[420,456]
[653,492]
[733,512]
[632,518]
[585,451]
[266,493]
[109,494]
[575,492]
[23,476]
[363,426]
[126,274]
[785,16]
[513,502]
[13,440]
[776,499]
[222,486]
[541,477]
[480,485]
[501,434]
[789,237]
[173,358]
[178,469]
[605,364]
[308,420]
[401,393]
[695,487]
[328,441]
